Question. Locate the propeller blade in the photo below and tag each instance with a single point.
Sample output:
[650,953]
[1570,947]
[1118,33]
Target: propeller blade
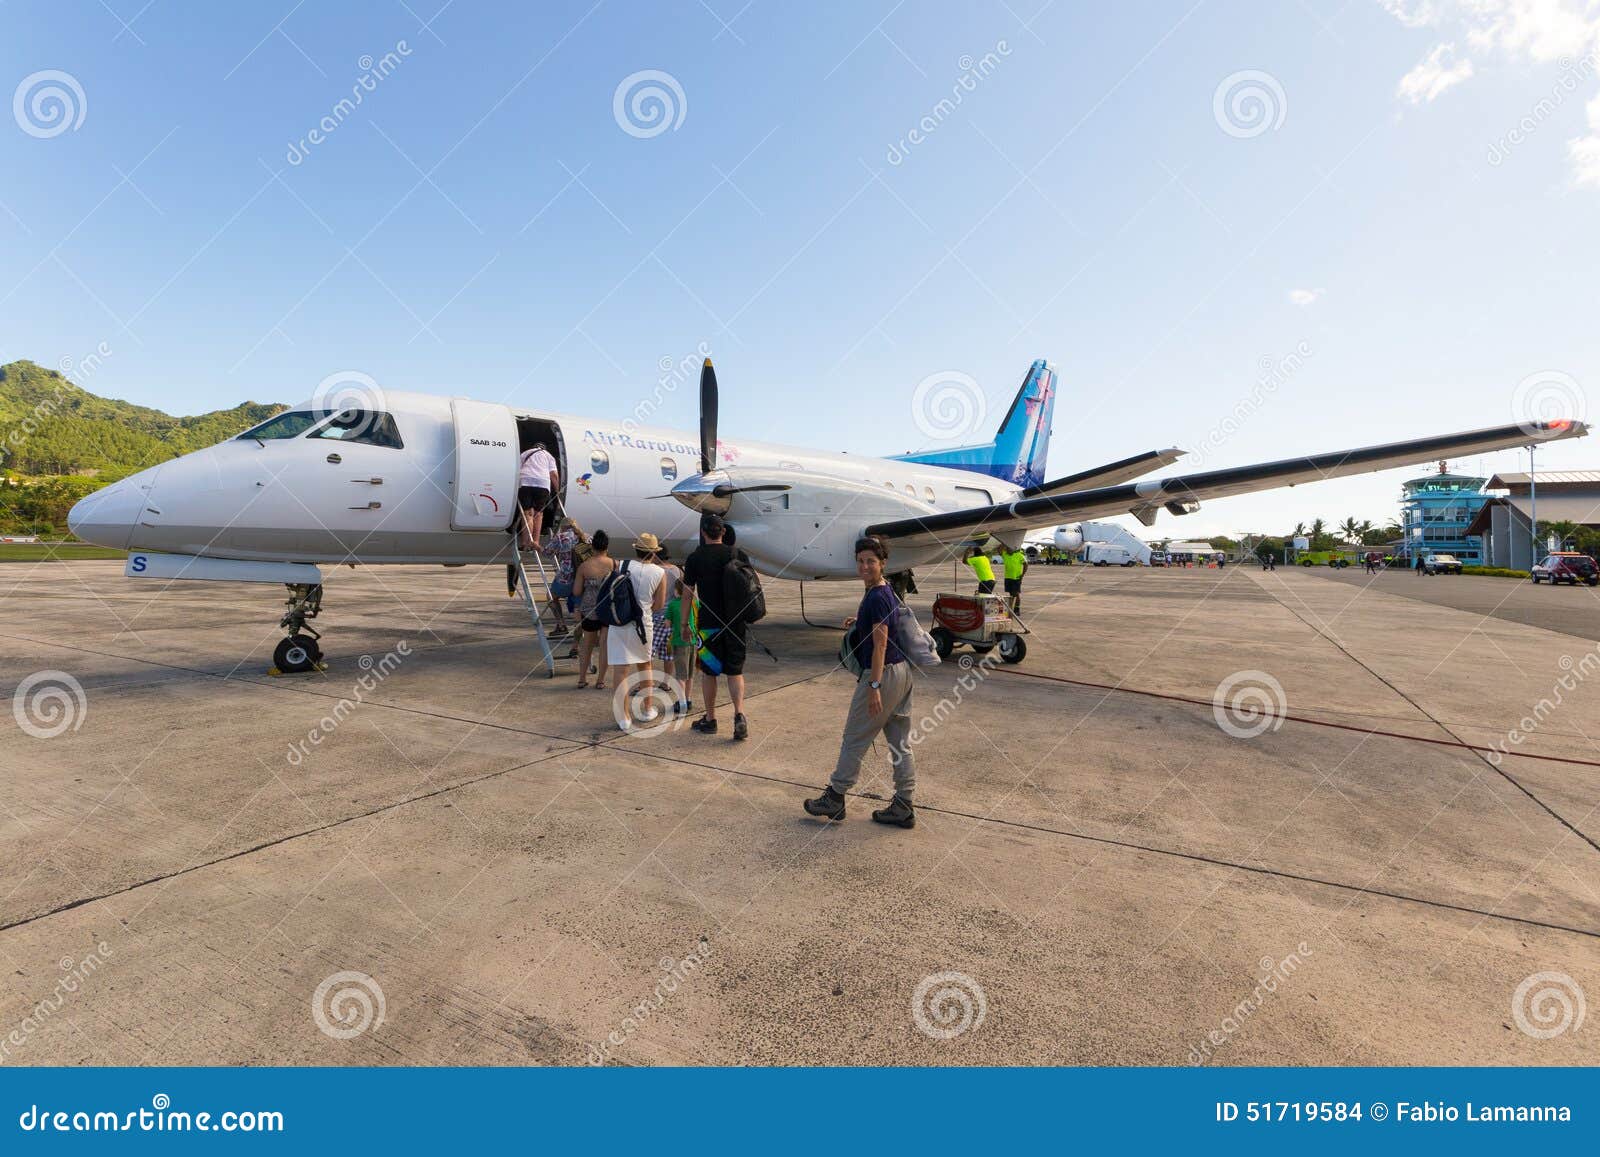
[708,418]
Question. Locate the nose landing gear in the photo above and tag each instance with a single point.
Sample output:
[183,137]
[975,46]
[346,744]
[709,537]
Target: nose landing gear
[300,652]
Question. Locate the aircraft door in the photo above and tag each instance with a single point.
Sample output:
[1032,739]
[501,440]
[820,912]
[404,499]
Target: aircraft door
[486,465]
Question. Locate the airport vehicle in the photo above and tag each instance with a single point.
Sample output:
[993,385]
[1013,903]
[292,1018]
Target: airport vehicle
[1440,564]
[1104,554]
[360,475]
[1158,558]
[982,622]
[1564,566]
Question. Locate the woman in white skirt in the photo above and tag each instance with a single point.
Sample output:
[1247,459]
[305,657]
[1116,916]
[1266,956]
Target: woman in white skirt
[628,647]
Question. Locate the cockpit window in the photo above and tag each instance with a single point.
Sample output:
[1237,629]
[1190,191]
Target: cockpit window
[370,427]
[290,424]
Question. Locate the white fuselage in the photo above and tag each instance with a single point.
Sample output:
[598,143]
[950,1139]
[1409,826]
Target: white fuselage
[315,500]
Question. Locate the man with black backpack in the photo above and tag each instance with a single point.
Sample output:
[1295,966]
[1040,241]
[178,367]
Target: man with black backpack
[713,572]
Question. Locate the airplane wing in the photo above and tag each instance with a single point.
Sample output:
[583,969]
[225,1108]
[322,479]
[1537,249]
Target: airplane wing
[1111,472]
[1183,493]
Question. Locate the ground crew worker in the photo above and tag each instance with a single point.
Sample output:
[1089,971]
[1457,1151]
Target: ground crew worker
[1015,564]
[979,562]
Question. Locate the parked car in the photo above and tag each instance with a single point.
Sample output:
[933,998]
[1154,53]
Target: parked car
[1566,567]
[1441,564]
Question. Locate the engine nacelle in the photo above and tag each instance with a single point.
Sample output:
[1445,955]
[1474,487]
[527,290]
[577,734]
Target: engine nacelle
[1069,538]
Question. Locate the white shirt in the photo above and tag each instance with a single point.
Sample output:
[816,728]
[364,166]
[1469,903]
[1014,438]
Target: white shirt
[536,468]
[623,644]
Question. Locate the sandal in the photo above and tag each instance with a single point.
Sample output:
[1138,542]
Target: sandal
[582,683]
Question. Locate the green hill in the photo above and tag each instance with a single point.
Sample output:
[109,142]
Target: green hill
[59,442]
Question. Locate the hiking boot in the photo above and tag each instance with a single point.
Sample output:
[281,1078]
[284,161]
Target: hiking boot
[899,813]
[829,805]
[704,726]
[741,727]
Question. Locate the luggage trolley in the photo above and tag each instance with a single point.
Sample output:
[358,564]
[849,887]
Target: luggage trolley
[982,622]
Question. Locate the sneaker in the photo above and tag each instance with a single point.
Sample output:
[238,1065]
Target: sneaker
[899,813]
[624,725]
[741,727]
[829,805]
[704,726]
[649,716]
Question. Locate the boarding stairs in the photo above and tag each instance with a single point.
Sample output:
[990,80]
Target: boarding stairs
[543,613]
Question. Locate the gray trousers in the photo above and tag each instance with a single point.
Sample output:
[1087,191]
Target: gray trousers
[860,729]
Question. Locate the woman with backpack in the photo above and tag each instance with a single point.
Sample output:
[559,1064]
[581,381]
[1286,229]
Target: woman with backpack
[882,699]
[628,643]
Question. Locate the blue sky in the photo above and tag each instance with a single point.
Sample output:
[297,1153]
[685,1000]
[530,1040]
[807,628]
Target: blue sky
[483,223]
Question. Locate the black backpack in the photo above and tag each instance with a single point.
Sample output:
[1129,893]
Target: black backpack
[617,605]
[742,598]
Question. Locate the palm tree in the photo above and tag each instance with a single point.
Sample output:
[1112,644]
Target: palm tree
[1350,529]
[1559,529]
[1299,530]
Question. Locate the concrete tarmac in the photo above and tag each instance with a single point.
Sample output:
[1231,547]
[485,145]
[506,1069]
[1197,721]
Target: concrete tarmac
[1568,610]
[431,854]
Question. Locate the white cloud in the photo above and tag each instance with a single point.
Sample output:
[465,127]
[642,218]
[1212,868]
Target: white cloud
[1422,14]
[1434,74]
[1584,152]
[1304,296]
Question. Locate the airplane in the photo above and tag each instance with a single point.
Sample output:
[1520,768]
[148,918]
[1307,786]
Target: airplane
[385,477]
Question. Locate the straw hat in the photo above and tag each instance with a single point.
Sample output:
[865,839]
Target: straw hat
[647,543]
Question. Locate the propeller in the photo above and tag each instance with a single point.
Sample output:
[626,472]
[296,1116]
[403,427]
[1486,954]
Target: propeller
[708,418]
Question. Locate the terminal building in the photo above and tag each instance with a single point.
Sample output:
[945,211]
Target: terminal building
[1437,513]
[1504,522]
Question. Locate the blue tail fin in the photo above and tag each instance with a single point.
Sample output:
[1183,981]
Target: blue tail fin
[1017,453]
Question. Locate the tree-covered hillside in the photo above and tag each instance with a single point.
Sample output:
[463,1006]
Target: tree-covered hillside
[59,442]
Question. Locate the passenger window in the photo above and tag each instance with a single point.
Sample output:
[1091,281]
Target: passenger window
[911,490]
[369,427]
[927,492]
[287,425]
[600,462]
[669,469]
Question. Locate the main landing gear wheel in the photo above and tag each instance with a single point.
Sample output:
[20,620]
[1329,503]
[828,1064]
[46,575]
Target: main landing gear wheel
[296,654]
[1012,648]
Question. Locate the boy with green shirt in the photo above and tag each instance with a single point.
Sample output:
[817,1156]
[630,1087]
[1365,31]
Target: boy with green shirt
[680,614]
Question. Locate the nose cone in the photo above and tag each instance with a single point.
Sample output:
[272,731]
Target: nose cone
[708,493]
[107,517]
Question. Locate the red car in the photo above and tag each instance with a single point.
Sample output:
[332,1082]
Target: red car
[1566,567]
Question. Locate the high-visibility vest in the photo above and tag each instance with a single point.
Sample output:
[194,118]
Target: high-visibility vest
[980,567]
[1014,561]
